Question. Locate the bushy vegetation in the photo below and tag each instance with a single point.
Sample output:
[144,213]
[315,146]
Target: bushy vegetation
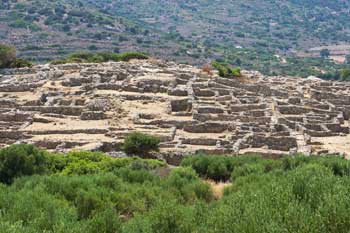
[225,70]
[8,58]
[22,160]
[25,160]
[137,143]
[338,74]
[223,168]
[89,192]
[97,57]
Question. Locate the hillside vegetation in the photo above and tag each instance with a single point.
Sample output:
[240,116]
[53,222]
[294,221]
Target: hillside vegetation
[90,192]
[258,35]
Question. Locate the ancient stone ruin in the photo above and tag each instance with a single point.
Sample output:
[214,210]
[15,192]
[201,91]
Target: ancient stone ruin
[94,106]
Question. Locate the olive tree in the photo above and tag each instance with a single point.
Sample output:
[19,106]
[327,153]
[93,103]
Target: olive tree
[7,55]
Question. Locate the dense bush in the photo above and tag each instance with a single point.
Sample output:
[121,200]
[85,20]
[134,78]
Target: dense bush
[140,144]
[246,170]
[225,167]
[127,56]
[218,168]
[225,70]
[98,57]
[99,203]
[20,62]
[292,194]
[21,160]
[25,160]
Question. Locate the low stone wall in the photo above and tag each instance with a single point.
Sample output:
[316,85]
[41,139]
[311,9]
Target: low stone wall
[209,127]
[64,110]
[181,105]
[273,143]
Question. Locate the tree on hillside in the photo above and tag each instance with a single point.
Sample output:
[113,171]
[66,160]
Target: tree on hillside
[7,55]
[325,53]
[8,58]
[347,59]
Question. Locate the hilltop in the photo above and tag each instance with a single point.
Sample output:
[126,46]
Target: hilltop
[279,40]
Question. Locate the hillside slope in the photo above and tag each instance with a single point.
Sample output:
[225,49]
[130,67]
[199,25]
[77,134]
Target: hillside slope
[261,35]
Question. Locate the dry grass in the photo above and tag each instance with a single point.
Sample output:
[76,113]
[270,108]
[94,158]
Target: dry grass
[218,188]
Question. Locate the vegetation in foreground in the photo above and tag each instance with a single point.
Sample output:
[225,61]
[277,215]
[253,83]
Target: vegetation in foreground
[91,192]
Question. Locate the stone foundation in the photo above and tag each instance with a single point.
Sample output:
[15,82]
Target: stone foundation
[94,106]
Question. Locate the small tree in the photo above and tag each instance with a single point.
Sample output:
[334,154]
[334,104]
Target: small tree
[140,144]
[325,53]
[7,55]
[347,59]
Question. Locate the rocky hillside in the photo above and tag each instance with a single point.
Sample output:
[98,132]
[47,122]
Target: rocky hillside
[243,33]
[43,30]
[94,106]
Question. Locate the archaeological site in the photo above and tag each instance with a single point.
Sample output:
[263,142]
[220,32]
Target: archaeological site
[93,106]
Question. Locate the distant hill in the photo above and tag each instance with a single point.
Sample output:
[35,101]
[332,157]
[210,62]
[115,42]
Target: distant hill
[257,34]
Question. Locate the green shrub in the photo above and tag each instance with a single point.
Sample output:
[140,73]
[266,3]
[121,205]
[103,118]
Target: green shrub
[339,167]
[199,163]
[218,170]
[127,56]
[38,209]
[26,160]
[85,57]
[310,183]
[225,70]
[21,160]
[146,164]
[290,163]
[167,216]
[85,162]
[98,57]
[187,184]
[82,167]
[135,176]
[247,169]
[140,144]
[19,63]
[87,203]
[106,221]
[181,176]
[292,194]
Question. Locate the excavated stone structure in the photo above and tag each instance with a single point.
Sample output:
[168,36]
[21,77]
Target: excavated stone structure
[94,106]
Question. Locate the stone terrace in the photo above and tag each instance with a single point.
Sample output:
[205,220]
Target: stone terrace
[94,106]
